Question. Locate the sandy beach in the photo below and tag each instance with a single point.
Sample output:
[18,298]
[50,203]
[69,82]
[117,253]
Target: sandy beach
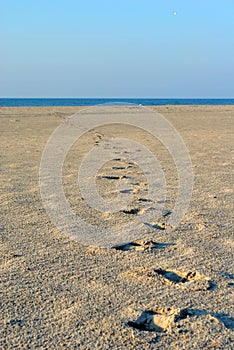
[162,291]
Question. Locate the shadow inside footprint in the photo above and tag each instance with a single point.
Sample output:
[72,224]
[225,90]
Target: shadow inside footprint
[227,320]
[171,276]
[229,275]
[17,255]
[128,246]
[133,211]
[118,168]
[126,191]
[145,200]
[16,322]
[167,213]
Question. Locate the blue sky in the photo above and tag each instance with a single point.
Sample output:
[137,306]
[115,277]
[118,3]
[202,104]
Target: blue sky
[124,48]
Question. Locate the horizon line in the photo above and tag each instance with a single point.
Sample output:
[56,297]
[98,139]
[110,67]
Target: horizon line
[108,98]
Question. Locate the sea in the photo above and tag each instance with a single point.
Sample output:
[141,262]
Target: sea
[39,102]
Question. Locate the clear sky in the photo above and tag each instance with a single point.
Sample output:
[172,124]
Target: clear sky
[124,48]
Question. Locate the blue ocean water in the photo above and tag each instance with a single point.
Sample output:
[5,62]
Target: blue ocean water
[17,102]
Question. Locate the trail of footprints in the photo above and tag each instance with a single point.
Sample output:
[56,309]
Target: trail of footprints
[164,320]
[191,280]
[161,319]
[140,201]
[169,320]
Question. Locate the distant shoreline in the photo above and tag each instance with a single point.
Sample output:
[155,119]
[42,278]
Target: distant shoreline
[88,102]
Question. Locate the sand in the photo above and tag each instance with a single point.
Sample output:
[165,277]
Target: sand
[162,291]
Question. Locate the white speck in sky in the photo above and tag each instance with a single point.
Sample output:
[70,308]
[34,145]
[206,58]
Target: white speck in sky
[174,13]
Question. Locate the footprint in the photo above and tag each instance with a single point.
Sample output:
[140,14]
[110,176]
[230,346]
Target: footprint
[230,284]
[226,320]
[113,177]
[126,191]
[140,184]
[134,211]
[158,319]
[144,200]
[16,255]
[110,177]
[98,137]
[139,245]
[191,280]
[16,322]
[143,273]
[157,225]
[167,213]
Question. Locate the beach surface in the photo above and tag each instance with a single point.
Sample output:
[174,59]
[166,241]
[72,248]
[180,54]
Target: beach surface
[165,290]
